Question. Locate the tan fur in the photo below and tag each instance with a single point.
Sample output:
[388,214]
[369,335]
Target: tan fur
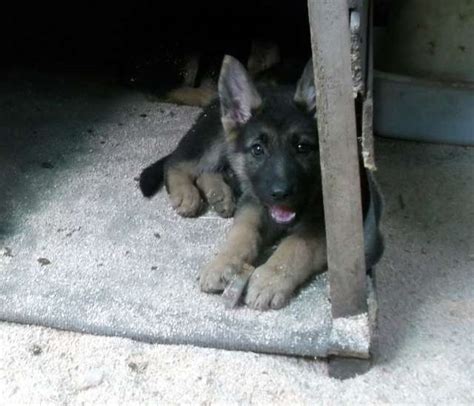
[297,257]
[190,96]
[218,193]
[184,196]
[242,245]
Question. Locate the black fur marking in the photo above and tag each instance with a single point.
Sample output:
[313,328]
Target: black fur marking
[152,178]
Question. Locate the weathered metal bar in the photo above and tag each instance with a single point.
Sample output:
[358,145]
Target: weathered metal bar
[358,19]
[330,39]
[368,102]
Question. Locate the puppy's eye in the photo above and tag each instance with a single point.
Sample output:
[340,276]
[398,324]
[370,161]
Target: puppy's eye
[303,148]
[257,149]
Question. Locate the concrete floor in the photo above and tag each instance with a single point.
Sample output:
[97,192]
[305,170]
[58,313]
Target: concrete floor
[425,344]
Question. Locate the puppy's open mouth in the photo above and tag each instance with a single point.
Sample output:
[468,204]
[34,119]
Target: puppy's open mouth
[282,214]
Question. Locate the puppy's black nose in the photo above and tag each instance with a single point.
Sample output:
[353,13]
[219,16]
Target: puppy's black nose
[280,191]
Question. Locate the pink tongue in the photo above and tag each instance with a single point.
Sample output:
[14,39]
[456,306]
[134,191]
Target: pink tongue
[281,214]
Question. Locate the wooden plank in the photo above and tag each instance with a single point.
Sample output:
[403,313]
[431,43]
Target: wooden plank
[330,38]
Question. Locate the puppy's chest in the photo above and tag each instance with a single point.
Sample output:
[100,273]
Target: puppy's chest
[273,232]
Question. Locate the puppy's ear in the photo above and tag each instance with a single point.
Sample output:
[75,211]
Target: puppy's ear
[237,94]
[305,94]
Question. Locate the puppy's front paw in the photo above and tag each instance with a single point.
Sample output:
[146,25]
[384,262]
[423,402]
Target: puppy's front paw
[186,200]
[215,276]
[268,289]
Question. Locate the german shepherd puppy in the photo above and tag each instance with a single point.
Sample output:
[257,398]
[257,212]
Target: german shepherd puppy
[266,139]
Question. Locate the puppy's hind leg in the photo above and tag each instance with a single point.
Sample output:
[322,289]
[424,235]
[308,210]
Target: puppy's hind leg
[217,192]
[184,195]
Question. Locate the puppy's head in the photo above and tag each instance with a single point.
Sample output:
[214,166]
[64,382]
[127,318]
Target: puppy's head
[273,139]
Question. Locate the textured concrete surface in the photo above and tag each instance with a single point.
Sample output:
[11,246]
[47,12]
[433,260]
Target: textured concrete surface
[84,251]
[425,293]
